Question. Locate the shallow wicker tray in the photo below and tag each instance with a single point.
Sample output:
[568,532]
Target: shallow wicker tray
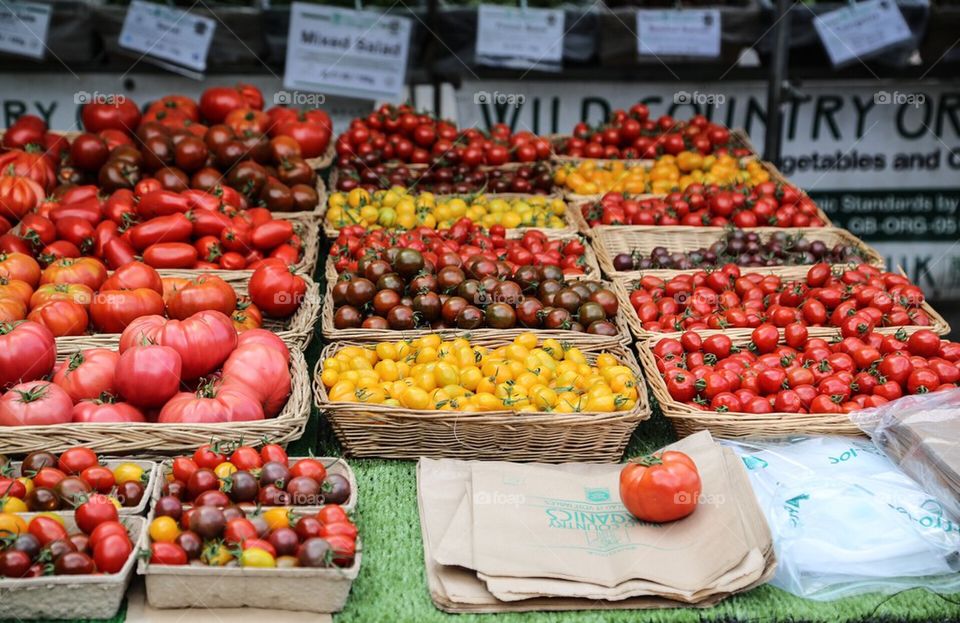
[608,242]
[322,163]
[296,331]
[738,137]
[623,285]
[372,335]
[366,430]
[687,420]
[166,438]
[200,586]
[70,596]
[578,201]
[334,465]
[573,219]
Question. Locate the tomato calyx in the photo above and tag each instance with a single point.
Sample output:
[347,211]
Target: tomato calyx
[33,394]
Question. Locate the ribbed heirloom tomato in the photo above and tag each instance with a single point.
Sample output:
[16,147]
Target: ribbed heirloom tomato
[203,341]
[27,352]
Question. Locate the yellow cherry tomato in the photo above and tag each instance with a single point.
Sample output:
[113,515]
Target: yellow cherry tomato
[277,518]
[225,469]
[257,557]
[11,525]
[128,472]
[164,530]
[13,505]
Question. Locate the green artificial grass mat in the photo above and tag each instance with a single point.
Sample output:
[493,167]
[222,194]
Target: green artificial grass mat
[392,585]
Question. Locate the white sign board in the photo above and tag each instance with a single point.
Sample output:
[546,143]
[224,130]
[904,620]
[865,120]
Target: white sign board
[168,33]
[678,32]
[861,29]
[346,52]
[24,27]
[506,32]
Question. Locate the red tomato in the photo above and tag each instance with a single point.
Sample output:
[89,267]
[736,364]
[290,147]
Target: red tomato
[94,512]
[35,403]
[276,290]
[663,488]
[75,460]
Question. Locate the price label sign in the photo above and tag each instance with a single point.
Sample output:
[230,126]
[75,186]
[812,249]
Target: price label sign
[678,32]
[24,27]
[346,52]
[168,33]
[512,33]
[861,30]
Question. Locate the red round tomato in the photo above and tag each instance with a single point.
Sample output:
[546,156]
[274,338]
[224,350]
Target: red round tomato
[75,460]
[94,512]
[87,374]
[147,376]
[27,352]
[112,311]
[112,553]
[203,293]
[661,488]
[115,113]
[276,290]
[61,317]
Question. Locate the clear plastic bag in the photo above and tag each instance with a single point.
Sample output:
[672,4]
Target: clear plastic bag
[921,435]
[845,520]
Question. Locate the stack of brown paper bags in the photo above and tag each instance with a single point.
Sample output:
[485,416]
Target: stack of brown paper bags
[501,537]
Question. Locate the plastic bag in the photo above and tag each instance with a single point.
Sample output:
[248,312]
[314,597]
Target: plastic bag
[920,434]
[845,520]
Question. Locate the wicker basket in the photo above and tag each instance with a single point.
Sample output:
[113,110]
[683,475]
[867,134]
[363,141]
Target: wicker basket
[577,202]
[330,332]
[295,331]
[58,597]
[166,438]
[322,163]
[334,465]
[591,266]
[687,420]
[738,138]
[624,284]
[573,219]
[611,241]
[366,430]
[305,225]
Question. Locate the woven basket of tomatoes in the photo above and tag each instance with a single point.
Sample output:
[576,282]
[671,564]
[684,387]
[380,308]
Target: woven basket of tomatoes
[43,482]
[624,250]
[701,192]
[633,135]
[165,386]
[401,294]
[399,209]
[223,474]
[466,240]
[855,300]
[765,384]
[529,399]
[229,557]
[82,305]
[66,566]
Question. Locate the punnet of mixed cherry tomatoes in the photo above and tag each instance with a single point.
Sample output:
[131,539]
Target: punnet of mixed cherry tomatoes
[240,506]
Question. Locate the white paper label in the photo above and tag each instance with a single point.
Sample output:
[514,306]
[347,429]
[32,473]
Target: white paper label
[678,32]
[168,33]
[345,52]
[861,29]
[511,32]
[23,28]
